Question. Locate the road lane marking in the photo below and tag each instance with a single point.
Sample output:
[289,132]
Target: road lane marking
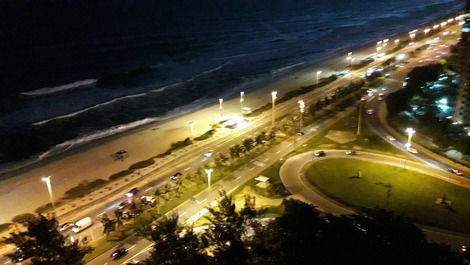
[289,144]
[131,247]
[238,177]
[181,215]
[149,189]
[188,168]
[138,253]
[201,201]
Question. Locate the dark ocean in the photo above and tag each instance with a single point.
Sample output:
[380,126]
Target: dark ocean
[75,71]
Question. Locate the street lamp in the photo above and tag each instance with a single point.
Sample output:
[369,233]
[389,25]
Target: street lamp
[318,74]
[410,132]
[302,110]
[426,31]
[209,175]
[412,35]
[273,98]
[221,108]
[242,99]
[191,129]
[397,41]
[47,180]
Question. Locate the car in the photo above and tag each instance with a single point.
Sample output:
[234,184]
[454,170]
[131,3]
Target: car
[383,89]
[412,150]
[132,192]
[455,171]
[390,138]
[319,154]
[124,204]
[119,253]
[127,215]
[176,176]
[352,152]
[363,99]
[134,262]
[148,200]
[370,111]
[370,90]
[300,133]
[208,154]
[66,226]
[380,98]
[82,224]
[387,75]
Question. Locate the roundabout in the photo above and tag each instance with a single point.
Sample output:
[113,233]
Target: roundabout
[339,184]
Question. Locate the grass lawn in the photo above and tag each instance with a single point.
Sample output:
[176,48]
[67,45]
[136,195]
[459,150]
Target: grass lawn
[99,247]
[367,140]
[404,192]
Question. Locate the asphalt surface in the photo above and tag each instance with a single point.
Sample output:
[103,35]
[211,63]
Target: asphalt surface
[292,174]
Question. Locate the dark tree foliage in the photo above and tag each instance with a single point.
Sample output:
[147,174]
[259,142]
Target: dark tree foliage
[44,245]
[301,235]
[175,244]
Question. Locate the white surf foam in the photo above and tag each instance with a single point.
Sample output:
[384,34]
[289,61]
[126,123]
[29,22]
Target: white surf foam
[52,90]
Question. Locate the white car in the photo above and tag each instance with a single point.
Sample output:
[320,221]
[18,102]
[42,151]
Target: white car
[412,150]
[363,99]
[370,111]
[390,138]
[208,153]
[380,98]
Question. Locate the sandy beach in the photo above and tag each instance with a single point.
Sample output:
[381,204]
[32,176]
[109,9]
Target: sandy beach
[25,191]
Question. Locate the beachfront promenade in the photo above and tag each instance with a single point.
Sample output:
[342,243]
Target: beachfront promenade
[93,162]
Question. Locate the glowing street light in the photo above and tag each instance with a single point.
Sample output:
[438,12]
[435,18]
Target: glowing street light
[47,180]
[426,31]
[318,75]
[412,35]
[209,175]
[242,99]
[273,98]
[221,108]
[191,129]
[397,41]
[302,110]
[410,132]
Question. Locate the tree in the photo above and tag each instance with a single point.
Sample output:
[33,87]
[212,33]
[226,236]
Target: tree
[175,244]
[118,216]
[43,244]
[109,225]
[225,237]
[248,144]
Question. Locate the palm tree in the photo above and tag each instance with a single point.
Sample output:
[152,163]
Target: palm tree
[118,215]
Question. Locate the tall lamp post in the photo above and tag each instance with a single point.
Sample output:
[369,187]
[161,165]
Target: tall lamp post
[47,180]
[191,129]
[209,175]
[318,76]
[410,132]
[242,99]
[349,58]
[221,107]
[273,98]
[302,110]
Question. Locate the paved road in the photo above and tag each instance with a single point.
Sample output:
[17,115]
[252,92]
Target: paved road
[192,158]
[292,174]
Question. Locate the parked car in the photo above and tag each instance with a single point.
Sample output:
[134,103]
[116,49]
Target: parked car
[132,192]
[119,253]
[66,226]
[82,224]
[320,153]
[352,152]
[300,133]
[455,171]
[390,138]
[148,200]
[208,153]
[176,176]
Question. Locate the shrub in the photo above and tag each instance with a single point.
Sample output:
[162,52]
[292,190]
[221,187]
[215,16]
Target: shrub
[121,174]
[206,135]
[142,164]
[4,227]
[277,190]
[85,187]
[23,218]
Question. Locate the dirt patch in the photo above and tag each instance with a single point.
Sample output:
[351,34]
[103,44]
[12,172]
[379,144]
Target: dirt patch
[341,137]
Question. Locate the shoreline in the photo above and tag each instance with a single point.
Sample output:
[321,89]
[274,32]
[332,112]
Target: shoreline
[92,161]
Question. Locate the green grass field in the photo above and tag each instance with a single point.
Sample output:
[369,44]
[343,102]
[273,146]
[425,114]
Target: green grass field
[402,191]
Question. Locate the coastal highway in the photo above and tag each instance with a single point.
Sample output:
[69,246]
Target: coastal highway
[292,174]
[193,158]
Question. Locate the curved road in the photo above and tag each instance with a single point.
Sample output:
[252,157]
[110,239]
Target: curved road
[293,178]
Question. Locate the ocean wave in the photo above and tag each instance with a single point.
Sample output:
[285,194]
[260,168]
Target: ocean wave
[52,90]
[62,147]
[163,88]
[89,108]
[285,68]
[217,68]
